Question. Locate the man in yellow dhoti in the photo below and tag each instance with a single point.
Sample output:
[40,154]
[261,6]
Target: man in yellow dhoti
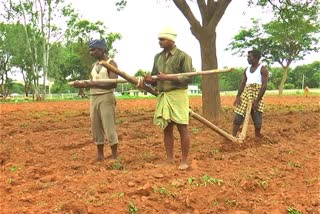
[173,101]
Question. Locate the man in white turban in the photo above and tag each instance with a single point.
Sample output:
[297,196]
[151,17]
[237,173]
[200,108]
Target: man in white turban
[173,101]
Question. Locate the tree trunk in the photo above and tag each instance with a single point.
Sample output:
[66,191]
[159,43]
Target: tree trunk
[211,102]
[211,13]
[283,80]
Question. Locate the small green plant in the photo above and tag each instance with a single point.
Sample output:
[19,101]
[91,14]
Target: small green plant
[294,165]
[191,180]
[215,151]
[121,194]
[231,203]
[119,121]
[24,125]
[275,172]
[117,165]
[215,203]
[263,184]
[74,156]
[118,195]
[311,181]
[292,210]
[195,130]
[206,179]
[148,156]
[13,168]
[132,208]
[10,180]
[41,203]
[163,191]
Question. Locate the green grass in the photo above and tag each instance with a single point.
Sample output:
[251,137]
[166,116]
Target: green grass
[74,96]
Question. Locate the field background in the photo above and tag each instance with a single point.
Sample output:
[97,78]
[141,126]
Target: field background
[46,157]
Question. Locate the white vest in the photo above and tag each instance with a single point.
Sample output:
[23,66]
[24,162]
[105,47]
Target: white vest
[99,72]
[254,77]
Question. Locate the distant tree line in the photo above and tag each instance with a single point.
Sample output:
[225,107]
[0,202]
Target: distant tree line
[299,77]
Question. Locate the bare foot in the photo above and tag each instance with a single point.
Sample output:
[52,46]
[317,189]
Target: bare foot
[166,163]
[100,157]
[183,166]
[96,160]
[259,136]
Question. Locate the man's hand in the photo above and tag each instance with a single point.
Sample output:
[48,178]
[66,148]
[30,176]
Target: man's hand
[255,105]
[81,84]
[237,101]
[162,76]
[149,80]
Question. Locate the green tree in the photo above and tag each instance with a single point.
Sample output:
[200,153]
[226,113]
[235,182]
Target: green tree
[70,60]
[37,18]
[306,75]
[290,36]
[211,12]
[14,55]
[5,59]
[141,73]
[231,80]
[275,76]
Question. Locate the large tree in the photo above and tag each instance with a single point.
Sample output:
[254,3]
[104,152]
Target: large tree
[204,30]
[290,36]
[14,55]
[70,60]
[39,16]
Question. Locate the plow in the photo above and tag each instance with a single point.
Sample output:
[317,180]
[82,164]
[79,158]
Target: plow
[138,81]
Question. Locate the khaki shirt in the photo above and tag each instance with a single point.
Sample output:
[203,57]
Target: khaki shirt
[175,62]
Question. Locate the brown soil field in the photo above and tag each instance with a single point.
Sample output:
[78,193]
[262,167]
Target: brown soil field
[46,159]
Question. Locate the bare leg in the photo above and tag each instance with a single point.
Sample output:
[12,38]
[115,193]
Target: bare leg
[235,130]
[114,150]
[185,144]
[168,142]
[257,132]
[100,155]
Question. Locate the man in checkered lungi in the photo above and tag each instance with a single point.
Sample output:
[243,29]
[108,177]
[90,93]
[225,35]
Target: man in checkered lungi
[252,88]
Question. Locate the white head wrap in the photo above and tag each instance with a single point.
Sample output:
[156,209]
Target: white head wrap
[168,33]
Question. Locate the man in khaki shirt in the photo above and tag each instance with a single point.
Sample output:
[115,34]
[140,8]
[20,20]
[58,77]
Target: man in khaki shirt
[173,101]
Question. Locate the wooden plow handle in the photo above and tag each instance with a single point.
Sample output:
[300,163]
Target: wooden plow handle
[135,81]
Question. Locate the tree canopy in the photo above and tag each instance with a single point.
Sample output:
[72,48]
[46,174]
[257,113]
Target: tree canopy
[290,36]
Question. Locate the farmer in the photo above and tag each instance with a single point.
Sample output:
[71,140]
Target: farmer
[173,101]
[102,100]
[252,88]
[306,91]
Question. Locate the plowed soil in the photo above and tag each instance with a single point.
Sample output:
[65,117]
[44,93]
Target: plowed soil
[47,161]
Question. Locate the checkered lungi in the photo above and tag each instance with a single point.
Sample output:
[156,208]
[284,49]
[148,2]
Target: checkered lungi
[249,93]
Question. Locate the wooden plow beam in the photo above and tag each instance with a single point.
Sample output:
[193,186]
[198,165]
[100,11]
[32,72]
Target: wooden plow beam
[243,132]
[189,74]
[147,88]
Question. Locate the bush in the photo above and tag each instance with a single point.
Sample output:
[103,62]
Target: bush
[289,86]
[271,86]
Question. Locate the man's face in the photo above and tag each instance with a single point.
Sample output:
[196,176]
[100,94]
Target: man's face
[165,43]
[96,52]
[250,58]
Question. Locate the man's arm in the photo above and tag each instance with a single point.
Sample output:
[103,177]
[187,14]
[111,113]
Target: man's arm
[264,80]
[241,88]
[185,66]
